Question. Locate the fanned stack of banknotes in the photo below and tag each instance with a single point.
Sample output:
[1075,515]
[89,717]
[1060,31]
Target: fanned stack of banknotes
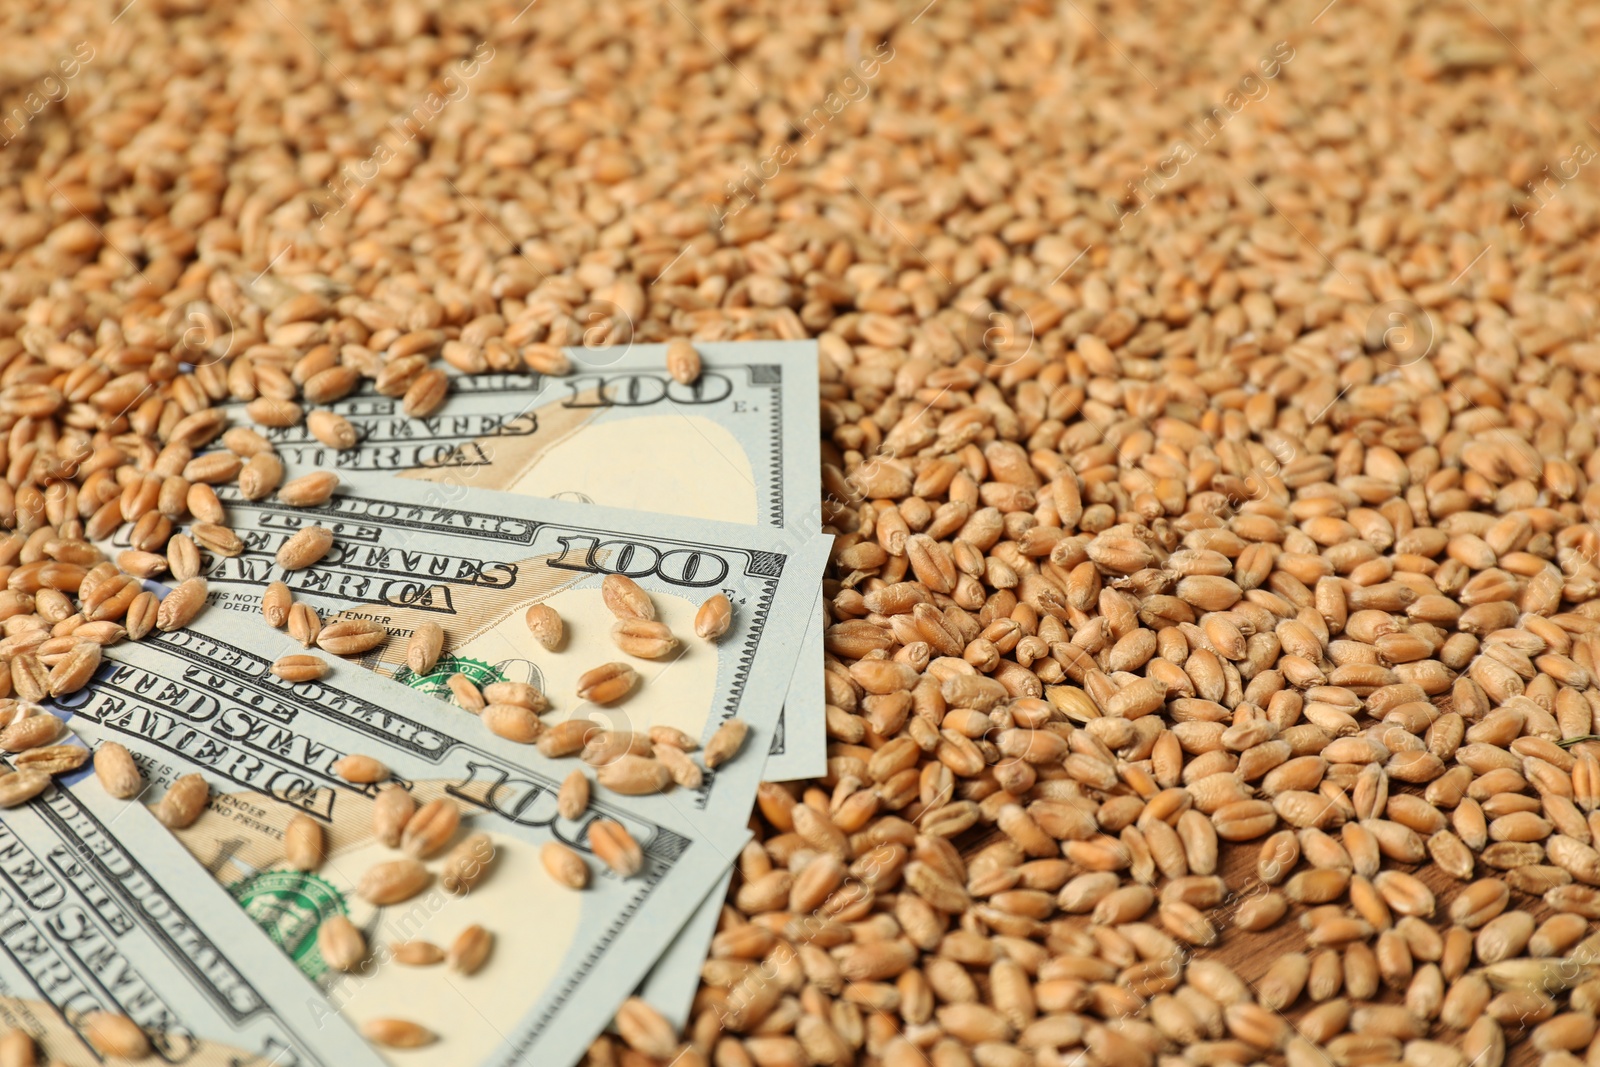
[523,490]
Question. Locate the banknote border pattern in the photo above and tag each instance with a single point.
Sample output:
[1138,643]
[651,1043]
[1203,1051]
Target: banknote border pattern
[50,812]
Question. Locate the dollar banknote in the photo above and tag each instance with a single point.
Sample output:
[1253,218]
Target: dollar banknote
[738,445]
[204,700]
[102,911]
[474,562]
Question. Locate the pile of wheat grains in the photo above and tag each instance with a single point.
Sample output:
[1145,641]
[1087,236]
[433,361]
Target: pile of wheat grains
[1208,400]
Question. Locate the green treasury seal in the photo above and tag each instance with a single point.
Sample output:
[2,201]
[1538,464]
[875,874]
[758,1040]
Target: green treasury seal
[290,906]
[436,683]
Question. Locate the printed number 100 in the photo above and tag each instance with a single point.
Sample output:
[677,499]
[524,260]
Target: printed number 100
[680,566]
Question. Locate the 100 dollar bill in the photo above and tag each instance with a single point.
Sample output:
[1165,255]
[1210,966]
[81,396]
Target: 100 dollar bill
[102,911]
[474,562]
[738,445]
[204,700]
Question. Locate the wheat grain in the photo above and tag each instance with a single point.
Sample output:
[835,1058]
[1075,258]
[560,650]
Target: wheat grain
[546,626]
[118,773]
[300,668]
[683,362]
[115,1035]
[340,944]
[470,949]
[392,809]
[397,1033]
[393,881]
[307,547]
[431,827]
[304,844]
[183,802]
[422,650]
